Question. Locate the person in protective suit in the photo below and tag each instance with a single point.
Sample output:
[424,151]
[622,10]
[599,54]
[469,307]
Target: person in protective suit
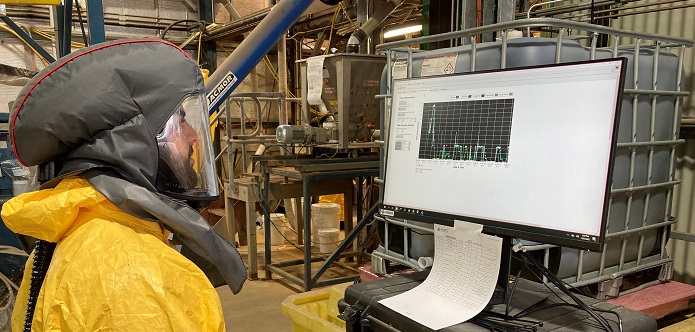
[126,123]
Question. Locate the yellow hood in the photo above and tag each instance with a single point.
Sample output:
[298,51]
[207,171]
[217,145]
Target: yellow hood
[52,214]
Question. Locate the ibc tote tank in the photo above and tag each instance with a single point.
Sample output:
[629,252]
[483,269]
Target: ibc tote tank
[540,51]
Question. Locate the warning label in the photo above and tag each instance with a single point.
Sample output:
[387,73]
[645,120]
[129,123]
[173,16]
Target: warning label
[439,65]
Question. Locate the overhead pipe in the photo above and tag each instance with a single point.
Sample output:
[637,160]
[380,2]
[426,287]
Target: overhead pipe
[357,37]
[571,8]
[43,11]
[620,13]
[642,5]
[241,24]
[399,16]
[233,13]
[253,48]
[121,22]
[320,21]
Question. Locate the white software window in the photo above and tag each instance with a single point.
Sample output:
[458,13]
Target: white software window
[527,147]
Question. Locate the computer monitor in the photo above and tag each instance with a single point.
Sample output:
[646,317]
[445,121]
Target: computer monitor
[526,152]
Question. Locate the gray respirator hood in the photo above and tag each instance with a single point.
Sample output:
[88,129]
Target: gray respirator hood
[98,111]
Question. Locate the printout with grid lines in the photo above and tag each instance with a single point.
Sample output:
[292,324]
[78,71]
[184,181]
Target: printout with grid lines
[460,284]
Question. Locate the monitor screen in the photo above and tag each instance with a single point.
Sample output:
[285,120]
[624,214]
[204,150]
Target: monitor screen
[526,152]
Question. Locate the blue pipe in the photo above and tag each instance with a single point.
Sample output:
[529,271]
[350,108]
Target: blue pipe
[252,50]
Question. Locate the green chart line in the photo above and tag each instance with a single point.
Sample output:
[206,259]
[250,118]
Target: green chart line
[445,155]
[459,149]
[478,148]
[430,126]
[498,154]
[466,153]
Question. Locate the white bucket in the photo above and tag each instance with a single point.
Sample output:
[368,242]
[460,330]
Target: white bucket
[277,229]
[19,186]
[324,216]
[328,240]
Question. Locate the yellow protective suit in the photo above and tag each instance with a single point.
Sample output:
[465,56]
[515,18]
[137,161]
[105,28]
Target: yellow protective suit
[110,271]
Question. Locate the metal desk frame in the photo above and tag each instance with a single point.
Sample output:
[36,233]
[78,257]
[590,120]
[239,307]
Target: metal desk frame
[248,190]
[309,281]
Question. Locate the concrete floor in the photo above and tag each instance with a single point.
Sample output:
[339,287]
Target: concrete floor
[257,307]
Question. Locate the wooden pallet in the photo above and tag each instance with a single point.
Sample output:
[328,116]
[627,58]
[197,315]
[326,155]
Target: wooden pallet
[658,300]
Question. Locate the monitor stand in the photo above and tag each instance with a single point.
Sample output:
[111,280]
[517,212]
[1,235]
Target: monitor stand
[520,299]
[504,277]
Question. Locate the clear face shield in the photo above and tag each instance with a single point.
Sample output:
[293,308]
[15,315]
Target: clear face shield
[186,159]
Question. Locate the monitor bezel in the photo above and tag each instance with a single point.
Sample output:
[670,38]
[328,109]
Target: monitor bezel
[501,228]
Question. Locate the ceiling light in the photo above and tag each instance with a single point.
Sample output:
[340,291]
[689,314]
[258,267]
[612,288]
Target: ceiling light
[403,31]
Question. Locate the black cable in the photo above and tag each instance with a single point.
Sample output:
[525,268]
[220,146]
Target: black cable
[620,319]
[533,309]
[492,314]
[179,22]
[511,293]
[495,323]
[569,287]
[236,154]
[329,157]
[559,284]
[79,15]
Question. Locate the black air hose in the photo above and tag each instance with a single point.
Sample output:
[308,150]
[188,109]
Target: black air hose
[43,252]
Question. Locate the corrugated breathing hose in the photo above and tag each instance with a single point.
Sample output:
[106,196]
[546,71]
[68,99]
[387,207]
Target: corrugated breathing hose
[43,252]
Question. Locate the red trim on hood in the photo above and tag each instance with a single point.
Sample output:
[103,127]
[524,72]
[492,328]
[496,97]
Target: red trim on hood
[21,103]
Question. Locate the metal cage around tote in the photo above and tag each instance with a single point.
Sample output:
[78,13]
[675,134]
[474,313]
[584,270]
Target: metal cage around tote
[644,171]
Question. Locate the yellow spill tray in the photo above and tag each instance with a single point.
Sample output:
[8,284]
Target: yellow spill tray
[315,311]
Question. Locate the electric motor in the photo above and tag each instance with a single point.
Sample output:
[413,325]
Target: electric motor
[289,134]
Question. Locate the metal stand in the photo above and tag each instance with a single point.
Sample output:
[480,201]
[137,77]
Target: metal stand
[314,174]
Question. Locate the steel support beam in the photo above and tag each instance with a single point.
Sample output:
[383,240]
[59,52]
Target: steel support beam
[205,13]
[488,18]
[64,28]
[209,61]
[505,11]
[469,18]
[95,19]
[440,19]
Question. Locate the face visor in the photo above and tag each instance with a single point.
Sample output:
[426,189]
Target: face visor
[186,161]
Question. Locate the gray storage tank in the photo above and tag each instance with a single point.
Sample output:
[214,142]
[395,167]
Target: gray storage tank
[643,177]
